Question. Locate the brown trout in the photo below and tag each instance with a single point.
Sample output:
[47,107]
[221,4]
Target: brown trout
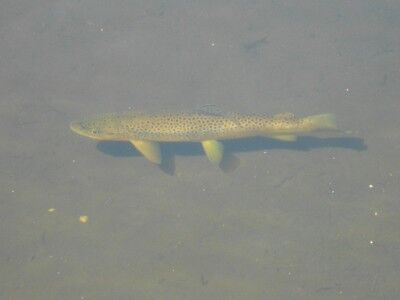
[145,131]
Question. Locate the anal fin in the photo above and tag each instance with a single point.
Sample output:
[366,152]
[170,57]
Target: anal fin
[214,150]
[149,149]
[285,137]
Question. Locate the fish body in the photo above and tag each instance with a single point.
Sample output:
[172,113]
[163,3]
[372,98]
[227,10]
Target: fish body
[144,131]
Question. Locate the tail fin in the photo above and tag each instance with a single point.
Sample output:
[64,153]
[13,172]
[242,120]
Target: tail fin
[324,121]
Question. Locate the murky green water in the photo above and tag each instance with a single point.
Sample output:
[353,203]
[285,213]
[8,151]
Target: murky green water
[315,219]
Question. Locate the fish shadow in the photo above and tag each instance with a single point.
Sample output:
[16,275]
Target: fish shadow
[230,162]
[303,143]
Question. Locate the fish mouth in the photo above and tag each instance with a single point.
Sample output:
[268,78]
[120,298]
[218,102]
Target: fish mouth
[79,129]
[76,127]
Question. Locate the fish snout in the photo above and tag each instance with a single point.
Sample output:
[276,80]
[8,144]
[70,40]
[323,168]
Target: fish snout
[75,126]
[79,128]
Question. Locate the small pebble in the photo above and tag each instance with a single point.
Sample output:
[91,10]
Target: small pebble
[83,219]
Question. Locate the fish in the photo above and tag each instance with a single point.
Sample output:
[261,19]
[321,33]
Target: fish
[146,131]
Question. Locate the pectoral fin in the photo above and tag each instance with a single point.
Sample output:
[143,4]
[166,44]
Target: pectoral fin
[214,150]
[285,137]
[149,149]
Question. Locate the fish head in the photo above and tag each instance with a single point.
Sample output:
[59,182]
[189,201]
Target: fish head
[98,129]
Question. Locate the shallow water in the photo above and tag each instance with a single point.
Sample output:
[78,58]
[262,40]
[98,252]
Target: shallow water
[314,219]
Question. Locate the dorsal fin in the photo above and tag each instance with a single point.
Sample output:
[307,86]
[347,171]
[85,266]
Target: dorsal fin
[209,109]
[284,115]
